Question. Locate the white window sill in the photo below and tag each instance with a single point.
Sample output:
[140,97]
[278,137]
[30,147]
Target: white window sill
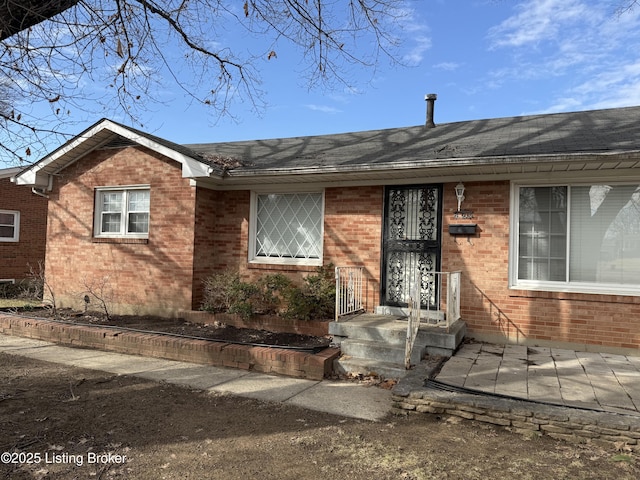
[121,239]
[586,288]
[286,261]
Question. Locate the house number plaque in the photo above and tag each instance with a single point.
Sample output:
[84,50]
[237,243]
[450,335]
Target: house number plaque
[463,214]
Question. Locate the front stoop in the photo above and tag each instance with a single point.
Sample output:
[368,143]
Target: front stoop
[375,344]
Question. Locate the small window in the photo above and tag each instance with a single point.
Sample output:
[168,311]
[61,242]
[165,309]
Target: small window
[9,226]
[122,212]
[286,228]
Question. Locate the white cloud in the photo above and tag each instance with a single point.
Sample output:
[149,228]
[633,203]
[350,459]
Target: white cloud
[416,55]
[539,21]
[323,108]
[580,52]
[447,66]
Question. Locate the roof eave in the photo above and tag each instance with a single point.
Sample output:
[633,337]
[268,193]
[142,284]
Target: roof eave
[584,165]
[556,159]
[96,136]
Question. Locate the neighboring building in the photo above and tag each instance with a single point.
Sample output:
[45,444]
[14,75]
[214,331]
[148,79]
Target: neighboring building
[23,229]
[552,202]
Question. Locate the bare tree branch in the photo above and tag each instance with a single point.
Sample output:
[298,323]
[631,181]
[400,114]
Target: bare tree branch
[115,56]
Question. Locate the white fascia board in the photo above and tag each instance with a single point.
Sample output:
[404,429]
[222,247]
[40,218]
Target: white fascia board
[31,177]
[38,175]
[191,168]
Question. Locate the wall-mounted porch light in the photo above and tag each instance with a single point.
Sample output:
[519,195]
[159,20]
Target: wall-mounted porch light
[460,194]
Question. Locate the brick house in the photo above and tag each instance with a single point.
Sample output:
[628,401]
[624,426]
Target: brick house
[23,229]
[547,234]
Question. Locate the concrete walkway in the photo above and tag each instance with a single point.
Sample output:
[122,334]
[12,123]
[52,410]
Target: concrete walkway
[597,381]
[340,398]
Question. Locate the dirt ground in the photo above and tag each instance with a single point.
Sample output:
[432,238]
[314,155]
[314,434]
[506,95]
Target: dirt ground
[82,424]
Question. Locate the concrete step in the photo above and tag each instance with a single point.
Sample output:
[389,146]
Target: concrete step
[367,367]
[377,342]
[388,330]
[428,316]
[393,331]
[379,351]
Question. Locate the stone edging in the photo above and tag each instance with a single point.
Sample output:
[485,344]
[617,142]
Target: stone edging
[246,357]
[521,416]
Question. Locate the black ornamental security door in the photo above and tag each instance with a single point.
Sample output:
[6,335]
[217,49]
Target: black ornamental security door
[411,239]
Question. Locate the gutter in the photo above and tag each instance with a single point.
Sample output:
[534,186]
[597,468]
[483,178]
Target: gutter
[440,163]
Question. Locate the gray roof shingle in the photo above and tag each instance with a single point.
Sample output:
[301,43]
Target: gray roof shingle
[612,130]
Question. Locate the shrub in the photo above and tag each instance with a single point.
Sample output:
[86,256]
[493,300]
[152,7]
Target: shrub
[272,294]
[316,299]
[219,291]
[273,290]
[10,290]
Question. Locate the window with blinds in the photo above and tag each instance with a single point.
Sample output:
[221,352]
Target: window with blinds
[577,237]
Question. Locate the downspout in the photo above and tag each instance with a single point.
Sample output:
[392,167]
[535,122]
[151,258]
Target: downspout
[37,192]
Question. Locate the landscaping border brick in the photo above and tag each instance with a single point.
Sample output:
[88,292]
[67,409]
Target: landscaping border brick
[259,359]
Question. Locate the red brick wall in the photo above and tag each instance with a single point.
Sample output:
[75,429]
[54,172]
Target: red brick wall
[352,229]
[353,232]
[139,277]
[494,312]
[221,235]
[15,258]
[162,275]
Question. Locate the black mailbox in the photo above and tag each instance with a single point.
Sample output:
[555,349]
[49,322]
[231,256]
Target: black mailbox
[463,229]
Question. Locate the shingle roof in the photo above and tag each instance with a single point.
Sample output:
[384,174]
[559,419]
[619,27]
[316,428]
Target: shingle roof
[595,141]
[612,130]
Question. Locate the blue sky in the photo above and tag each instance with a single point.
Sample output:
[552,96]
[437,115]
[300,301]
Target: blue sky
[483,58]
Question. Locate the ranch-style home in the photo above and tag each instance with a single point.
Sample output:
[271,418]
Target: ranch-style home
[23,229]
[540,215]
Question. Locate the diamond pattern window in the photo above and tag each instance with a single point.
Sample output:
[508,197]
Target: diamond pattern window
[287,228]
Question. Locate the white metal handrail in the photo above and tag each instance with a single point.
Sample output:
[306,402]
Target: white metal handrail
[413,324]
[349,291]
[449,283]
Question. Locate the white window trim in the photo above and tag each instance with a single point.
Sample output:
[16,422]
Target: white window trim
[253,221]
[12,281]
[16,229]
[556,286]
[97,213]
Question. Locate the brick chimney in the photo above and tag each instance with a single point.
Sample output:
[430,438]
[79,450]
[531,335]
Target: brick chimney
[431,100]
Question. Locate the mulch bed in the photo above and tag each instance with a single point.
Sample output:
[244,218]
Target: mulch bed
[214,331]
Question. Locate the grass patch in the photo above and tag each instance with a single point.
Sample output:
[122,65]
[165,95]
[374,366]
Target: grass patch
[18,303]
[622,458]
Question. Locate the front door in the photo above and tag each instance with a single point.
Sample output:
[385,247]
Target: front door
[411,239]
